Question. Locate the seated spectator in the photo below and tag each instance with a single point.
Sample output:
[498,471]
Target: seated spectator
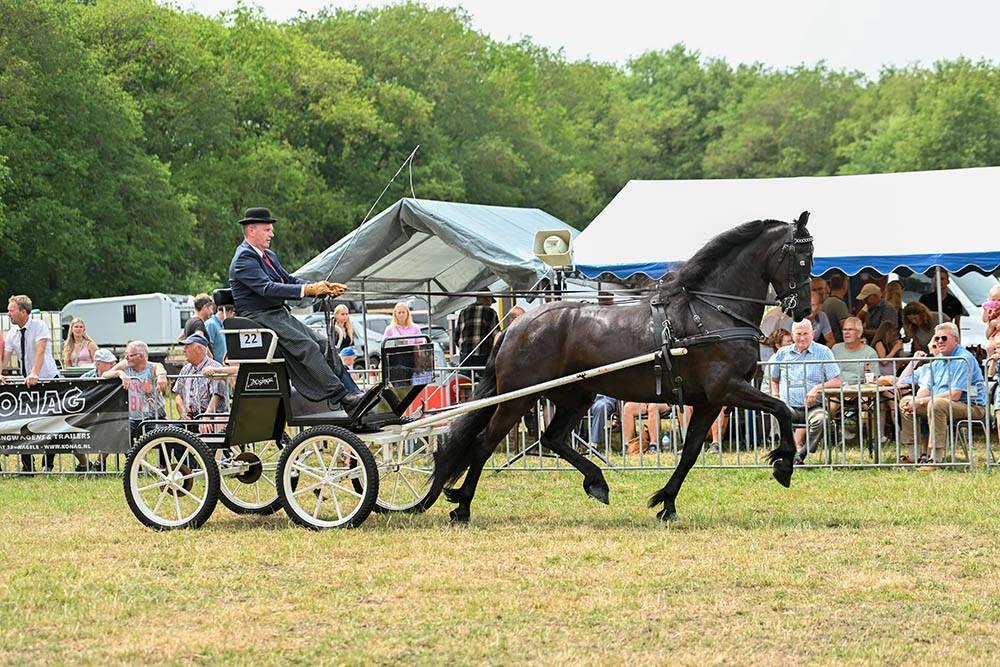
[954,388]
[821,323]
[145,382]
[834,301]
[79,348]
[853,354]
[195,396]
[800,385]
[30,341]
[918,325]
[774,320]
[603,408]
[950,305]
[888,345]
[653,412]
[875,310]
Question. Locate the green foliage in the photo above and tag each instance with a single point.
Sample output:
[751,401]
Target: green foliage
[133,134]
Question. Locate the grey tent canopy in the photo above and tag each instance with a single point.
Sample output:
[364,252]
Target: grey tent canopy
[451,247]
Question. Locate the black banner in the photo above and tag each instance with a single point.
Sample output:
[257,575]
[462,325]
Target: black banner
[64,415]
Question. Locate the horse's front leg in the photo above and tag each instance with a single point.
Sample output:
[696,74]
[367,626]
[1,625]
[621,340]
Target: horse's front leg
[742,394]
[701,420]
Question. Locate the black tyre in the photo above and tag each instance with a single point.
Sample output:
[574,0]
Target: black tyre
[327,478]
[248,476]
[171,480]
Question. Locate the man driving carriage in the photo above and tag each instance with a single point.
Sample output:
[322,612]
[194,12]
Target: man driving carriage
[260,287]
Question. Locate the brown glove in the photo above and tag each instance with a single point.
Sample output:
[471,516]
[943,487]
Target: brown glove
[316,289]
[336,289]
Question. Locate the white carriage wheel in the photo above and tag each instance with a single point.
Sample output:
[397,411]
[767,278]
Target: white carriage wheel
[327,478]
[171,480]
[248,476]
[405,468]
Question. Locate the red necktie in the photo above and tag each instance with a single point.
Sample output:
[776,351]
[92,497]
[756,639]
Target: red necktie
[276,272]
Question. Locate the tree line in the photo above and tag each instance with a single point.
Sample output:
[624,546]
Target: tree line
[133,135]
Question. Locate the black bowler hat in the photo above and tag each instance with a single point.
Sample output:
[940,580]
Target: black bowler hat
[257,215]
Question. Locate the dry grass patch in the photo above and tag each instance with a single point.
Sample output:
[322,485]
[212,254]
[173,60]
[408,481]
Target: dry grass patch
[877,566]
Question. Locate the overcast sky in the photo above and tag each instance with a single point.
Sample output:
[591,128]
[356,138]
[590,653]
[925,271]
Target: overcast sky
[847,34]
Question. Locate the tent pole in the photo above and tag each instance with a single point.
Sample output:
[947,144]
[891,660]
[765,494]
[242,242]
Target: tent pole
[364,323]
[940,298]
[430,311]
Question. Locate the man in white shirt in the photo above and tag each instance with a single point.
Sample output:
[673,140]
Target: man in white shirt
[31,343]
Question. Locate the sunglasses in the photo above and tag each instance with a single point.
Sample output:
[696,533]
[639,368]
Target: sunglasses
[941,339]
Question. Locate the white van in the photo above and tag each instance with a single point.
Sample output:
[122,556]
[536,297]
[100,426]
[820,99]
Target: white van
[156,319]
[971,290]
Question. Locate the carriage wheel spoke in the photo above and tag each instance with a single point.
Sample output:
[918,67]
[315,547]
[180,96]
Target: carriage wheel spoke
[346,490]
[154,485]
[163,494]
[177,506]
[165,458]
[151,468]
[410,486]
[307,489]
[300,467]
[336,504]
[191,495]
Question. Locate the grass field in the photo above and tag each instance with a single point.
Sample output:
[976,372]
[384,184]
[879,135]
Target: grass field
[888,567]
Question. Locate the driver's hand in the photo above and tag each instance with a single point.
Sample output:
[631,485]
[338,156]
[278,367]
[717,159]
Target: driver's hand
[335,289]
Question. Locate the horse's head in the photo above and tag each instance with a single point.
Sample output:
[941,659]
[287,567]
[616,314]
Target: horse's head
[789,269]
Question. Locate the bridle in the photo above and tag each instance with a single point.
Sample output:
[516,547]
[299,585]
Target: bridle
[792,250]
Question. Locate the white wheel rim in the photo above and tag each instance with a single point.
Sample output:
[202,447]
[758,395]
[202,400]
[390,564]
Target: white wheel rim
[170,495]
[404,469]
[327,470]
[259,494]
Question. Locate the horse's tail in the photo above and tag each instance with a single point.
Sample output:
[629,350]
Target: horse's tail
[454,454]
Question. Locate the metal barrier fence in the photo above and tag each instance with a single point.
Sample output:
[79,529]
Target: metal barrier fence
[864,427]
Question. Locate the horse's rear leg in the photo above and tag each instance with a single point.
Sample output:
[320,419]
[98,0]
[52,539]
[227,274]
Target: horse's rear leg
[698,426]
[569,412]
[503,420]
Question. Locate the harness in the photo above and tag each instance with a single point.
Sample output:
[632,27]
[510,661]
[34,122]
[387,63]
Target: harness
[671,346]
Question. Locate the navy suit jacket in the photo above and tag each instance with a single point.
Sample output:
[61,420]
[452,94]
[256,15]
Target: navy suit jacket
[256,286]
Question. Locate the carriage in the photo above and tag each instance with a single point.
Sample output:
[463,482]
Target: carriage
[332,473]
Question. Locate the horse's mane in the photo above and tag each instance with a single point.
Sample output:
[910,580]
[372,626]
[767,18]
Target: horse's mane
[693,271]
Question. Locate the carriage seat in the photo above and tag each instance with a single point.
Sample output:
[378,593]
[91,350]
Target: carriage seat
[243,345]
[302,407]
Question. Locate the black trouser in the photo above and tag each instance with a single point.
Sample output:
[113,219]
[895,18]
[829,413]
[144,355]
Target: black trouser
[315,376]
[28,463]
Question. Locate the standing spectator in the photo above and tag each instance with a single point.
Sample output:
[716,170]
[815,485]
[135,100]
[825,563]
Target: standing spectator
[213,329]
[821,323]
[836,310]
[403,324]
[956,388]
[104,361]
[853,354]
[875,310]
[950,305]
[894,295]
[800,385]
[31,342]
[839,286]
[203,309]
[476,324]
[145,382]
[343,327]
[918,325]
[199,395]
[79,348]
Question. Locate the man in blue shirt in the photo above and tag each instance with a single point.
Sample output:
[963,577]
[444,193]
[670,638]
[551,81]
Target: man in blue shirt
[955,390]
[799,382]
[213,327]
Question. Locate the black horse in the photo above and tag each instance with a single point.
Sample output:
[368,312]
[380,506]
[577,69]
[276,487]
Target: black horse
[721,289]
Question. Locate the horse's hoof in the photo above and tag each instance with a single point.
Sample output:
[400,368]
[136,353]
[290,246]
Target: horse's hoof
[668,515]
[458,518]
[598,492]
[781,470]
[453,495]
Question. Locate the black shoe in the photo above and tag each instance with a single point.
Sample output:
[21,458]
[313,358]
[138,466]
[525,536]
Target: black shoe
[350,402]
